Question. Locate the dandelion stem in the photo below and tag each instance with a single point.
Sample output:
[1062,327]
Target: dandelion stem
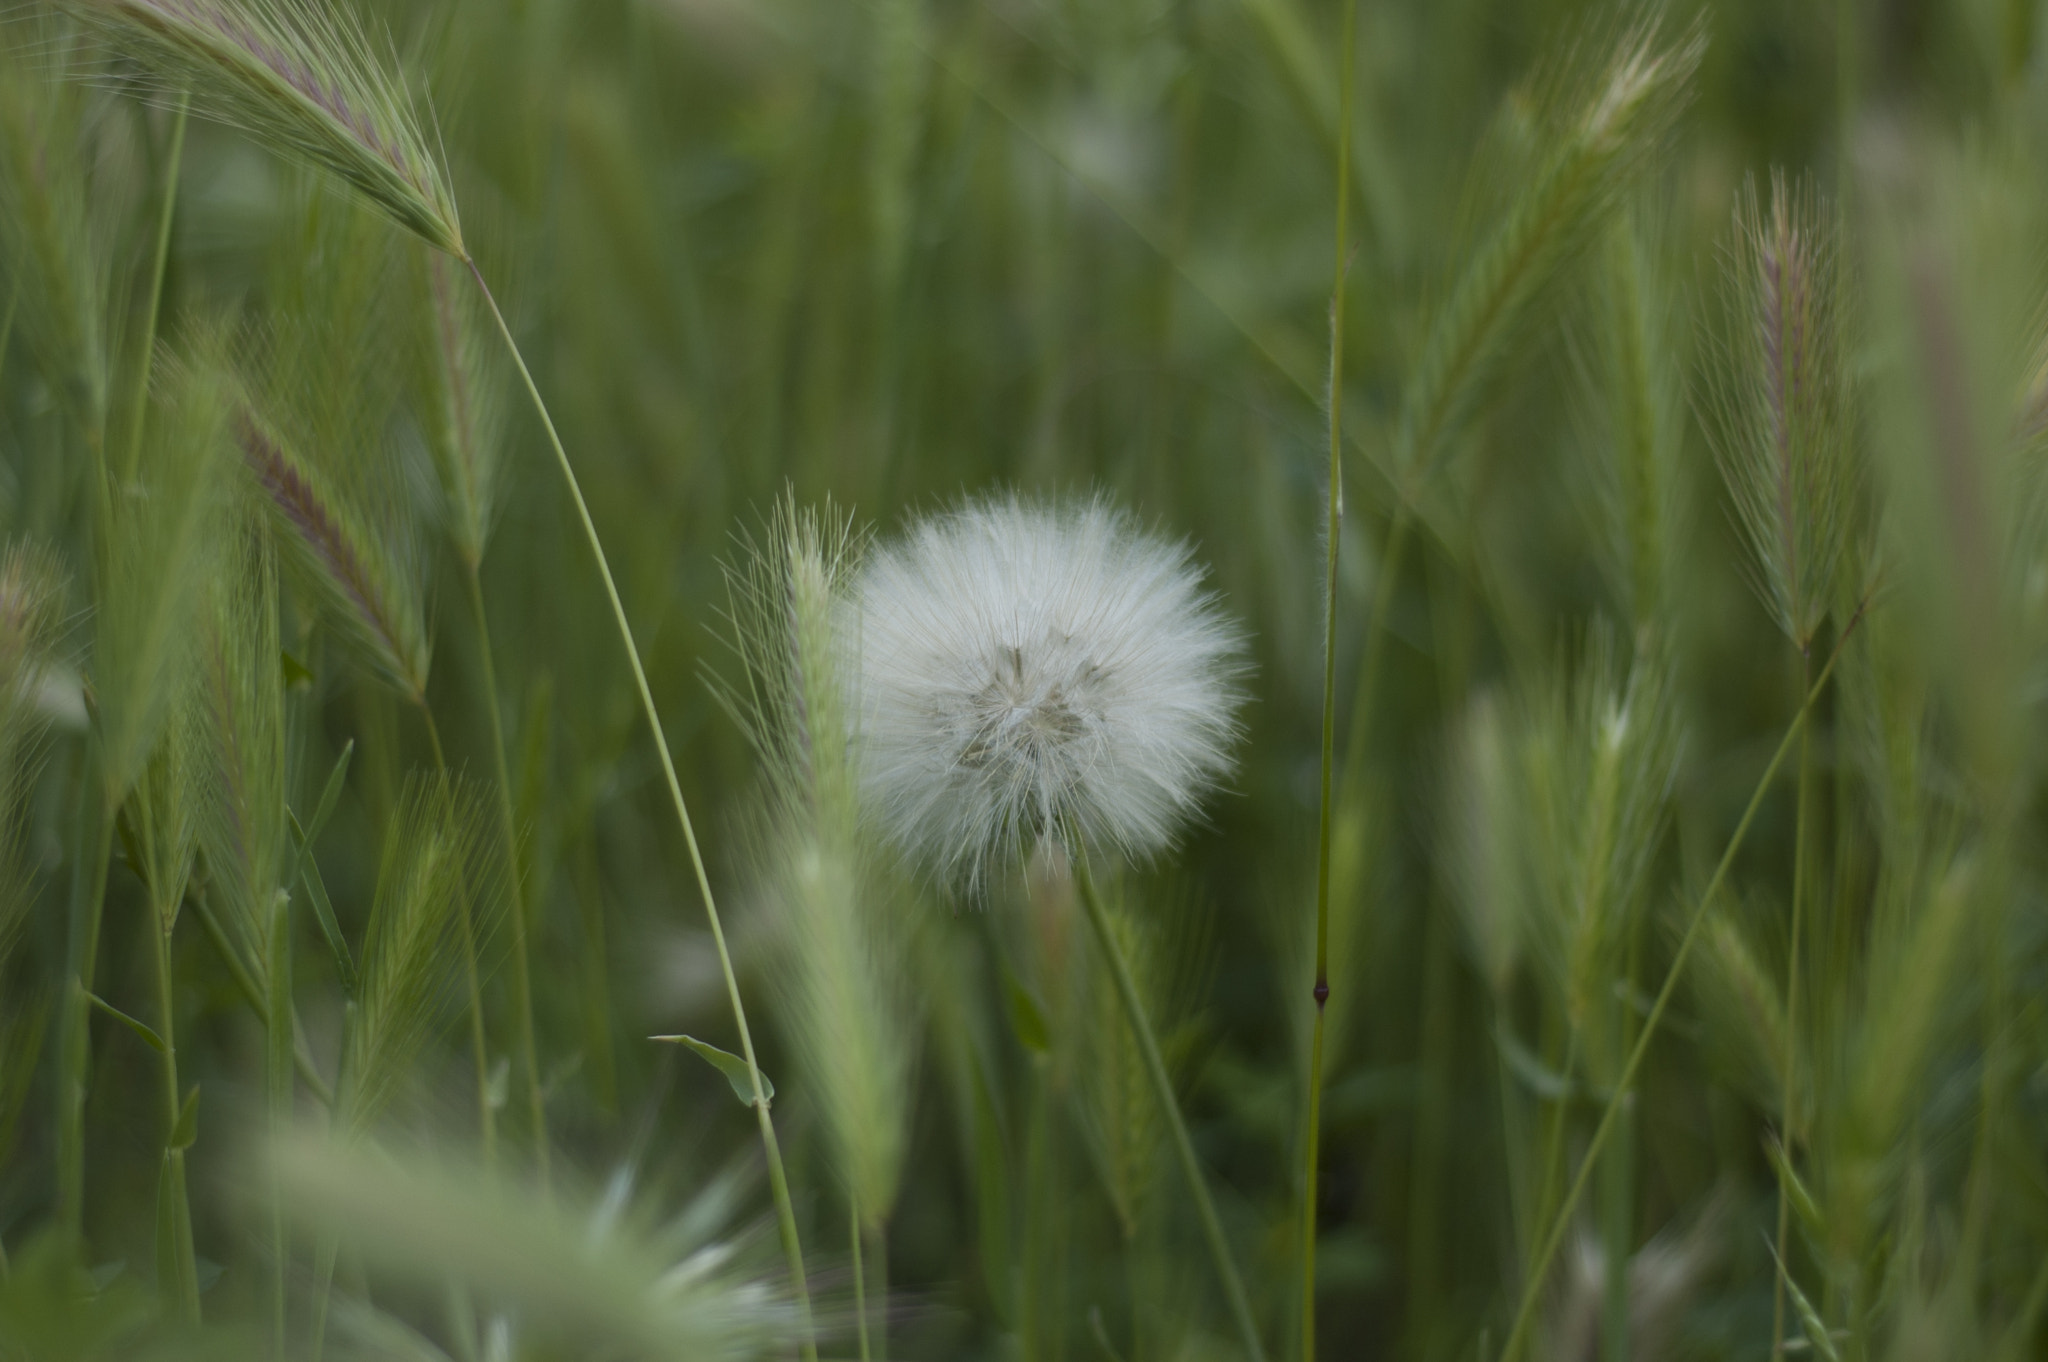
[1312,1151]
[1162,1087]
[508,831]
[778,1182]
[156,287]
[1540,1268]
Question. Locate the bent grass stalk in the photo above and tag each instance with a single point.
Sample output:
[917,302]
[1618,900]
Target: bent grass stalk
[778,1181]
[1532,1290]
[1313,1141]
[1162,1087]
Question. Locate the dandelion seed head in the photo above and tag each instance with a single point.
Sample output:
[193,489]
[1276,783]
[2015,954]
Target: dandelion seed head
[1023,669]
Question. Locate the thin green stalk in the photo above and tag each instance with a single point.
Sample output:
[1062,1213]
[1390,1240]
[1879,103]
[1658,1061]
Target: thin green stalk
[777,1180]
[1312,1151]
[279,1052]
[508,832]
[1539,1269]
[877,1255]
[186,1288]
[1375,646]
[302,1058]
[1788,1092]
[156,288]
[88,902]
[860,1286]
[1162,1089]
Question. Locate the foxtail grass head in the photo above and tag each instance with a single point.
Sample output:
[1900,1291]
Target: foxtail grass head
[1031,671]
[305,80]
[1780,404]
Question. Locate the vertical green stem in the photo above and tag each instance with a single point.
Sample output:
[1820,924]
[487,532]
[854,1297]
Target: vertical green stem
[1539,1269]
[156,288]
[778,1182]
[88,901]
[860,1286]
[185,1289]
[508,832]
[1169,1105]
[1789,1091]
[1312,1141]
[279,1055]
[876,1238]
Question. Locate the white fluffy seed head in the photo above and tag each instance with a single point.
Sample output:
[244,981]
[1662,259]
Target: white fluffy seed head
[1025,669]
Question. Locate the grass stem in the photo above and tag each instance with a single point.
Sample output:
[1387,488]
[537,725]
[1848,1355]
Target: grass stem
[860,1286]
[88,902]
[777,1180]
[184,1290]
[158,267]
[1312,1143]
[1169,1105]
[1539,1269]
[1788,1095]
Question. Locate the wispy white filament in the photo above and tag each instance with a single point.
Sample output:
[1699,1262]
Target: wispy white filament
[1023,668]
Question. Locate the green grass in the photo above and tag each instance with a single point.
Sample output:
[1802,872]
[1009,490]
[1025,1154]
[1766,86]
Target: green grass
[414,697]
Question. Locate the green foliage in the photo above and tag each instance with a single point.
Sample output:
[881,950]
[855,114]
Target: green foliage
[325,785]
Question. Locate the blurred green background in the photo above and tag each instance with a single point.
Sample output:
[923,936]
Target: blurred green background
[895,252]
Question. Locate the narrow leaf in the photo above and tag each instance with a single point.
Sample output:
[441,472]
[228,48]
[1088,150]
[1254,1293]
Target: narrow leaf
[142,1029]
[732,1066]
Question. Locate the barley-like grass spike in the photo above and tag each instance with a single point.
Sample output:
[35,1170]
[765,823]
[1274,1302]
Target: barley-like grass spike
[346,563]
[303,79]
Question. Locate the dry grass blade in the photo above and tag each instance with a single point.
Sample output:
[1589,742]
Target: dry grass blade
[303,79]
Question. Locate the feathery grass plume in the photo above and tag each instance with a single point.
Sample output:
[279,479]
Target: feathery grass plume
[164,814]
[31,594]
[305,80]
[1028,667]
[461,403]
[1779,403]
[1603,146]
[1636,378]
[1598,760]
[1922,941]
[163,538]
[1119,1114]
[839,906]
[350,567]
[579,1272]
[317,435]
[434,869]
[1743,1005]
[49,236]
[241,697]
